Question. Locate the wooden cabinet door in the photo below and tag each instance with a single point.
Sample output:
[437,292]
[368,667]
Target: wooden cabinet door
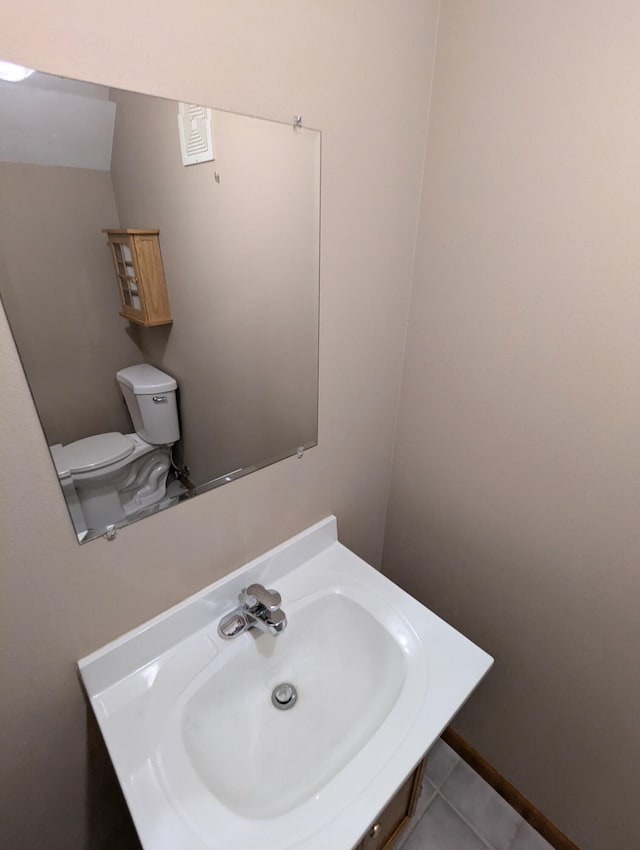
[126,267]
[394,817]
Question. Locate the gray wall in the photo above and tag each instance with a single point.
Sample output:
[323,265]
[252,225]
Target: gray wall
[516,482]
[58,287]
[241,262]
[360,72]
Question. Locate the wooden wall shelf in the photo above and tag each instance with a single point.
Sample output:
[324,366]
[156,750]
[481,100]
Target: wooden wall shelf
[140,274]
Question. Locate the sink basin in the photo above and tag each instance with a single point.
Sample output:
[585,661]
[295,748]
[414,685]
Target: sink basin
[205,758]
[348,673]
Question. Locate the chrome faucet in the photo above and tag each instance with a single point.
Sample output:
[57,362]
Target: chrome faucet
[259,608]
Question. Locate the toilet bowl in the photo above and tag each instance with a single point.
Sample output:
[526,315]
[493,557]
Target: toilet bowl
[115,475]
[121,476]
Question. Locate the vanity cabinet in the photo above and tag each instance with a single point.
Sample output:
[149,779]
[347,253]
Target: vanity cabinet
[395,816]
[140,274]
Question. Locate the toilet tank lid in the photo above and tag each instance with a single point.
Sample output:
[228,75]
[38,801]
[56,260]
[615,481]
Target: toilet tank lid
[145,379]
[91,453]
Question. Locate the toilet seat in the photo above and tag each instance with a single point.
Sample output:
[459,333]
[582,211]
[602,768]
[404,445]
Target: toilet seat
[91,453]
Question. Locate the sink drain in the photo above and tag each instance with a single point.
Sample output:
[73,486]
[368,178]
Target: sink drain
[284,696]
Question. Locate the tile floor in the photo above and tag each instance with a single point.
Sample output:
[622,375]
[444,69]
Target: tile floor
[457,810]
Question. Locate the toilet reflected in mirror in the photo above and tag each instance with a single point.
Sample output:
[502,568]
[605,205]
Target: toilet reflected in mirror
[111,478]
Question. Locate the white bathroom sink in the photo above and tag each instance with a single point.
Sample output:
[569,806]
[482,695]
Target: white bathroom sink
[204,757]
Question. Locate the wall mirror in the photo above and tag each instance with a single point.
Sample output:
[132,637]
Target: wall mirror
[176,247]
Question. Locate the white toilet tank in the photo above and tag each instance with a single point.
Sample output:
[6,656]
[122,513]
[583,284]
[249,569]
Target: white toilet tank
[151,398]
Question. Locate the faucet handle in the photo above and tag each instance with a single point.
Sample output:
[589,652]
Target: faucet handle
[277,621]
[269,599]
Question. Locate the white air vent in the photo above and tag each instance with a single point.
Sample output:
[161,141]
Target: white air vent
[196,133]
